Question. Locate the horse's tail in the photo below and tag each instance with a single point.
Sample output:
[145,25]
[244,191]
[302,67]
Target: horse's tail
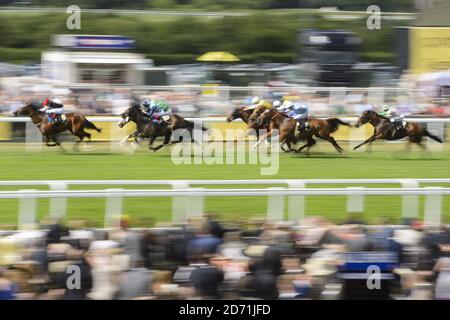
[432,136]
[335,123]
[90,125]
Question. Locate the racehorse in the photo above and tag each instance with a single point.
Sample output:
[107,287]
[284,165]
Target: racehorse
[384,129]
[240,113]
[144,127]
[278,121]
[287,127]
[75,123]
[151,130]
[245,115]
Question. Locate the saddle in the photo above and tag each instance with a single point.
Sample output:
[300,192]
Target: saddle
[398,126]
[302,125]
[56,118]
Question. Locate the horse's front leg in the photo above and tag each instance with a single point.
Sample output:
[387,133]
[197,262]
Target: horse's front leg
[134,134]
[369,140]
[264,137]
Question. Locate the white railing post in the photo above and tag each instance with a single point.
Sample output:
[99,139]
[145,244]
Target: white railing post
[58,206]
[179,204]
[33,138]
[296,204]
[355,199]
[27,210]
[116,135]
[410,203]
[195,205]
[433,207]
[275,206]
[113,209]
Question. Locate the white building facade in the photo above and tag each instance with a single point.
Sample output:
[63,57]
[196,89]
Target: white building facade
[82,60]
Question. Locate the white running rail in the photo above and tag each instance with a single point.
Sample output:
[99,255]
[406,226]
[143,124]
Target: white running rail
[188,201]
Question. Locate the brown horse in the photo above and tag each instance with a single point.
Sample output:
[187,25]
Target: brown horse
[246,116]
[75,123]
[287,128]
[281,123]
[384,129]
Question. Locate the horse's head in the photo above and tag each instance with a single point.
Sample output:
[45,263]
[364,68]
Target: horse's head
[264,118]
[130,114]
[26,110]
[236,114]
[365,117]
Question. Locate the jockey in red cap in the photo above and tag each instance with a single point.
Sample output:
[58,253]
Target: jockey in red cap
[54,108]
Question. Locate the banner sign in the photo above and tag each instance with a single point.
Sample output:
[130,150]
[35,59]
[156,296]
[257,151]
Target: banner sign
[94,42]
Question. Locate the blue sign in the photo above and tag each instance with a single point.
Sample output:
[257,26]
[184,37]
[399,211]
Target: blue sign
[104,42]
[360,261]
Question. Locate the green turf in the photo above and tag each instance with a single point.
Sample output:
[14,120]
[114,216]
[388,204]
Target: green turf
[16,164]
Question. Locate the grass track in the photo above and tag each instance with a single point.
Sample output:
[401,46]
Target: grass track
[15,164]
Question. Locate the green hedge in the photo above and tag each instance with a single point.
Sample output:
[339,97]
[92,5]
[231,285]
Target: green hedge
[181,39]
[20,55]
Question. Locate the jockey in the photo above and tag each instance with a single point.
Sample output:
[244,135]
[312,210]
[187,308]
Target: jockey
[392,115]
[286,106]
[256,102]
[300,112]
[54,108]
[156,109]
[276,104]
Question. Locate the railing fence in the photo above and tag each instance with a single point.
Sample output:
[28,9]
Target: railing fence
[189,201]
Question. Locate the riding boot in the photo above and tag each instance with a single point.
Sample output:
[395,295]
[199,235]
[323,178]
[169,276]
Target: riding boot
[302,125]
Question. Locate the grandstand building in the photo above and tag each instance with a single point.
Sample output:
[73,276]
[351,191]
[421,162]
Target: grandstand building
[94,59]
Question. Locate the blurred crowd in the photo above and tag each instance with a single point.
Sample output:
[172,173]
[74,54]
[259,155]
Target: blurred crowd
[210,101]
[211,259]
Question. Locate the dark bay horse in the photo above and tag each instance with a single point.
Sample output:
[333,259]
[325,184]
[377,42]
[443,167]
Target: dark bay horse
[148,129]
[287,126]
[144,127]
[74,123]
[384,129]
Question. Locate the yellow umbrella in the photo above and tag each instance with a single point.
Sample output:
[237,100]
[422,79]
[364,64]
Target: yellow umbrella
[221,56]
